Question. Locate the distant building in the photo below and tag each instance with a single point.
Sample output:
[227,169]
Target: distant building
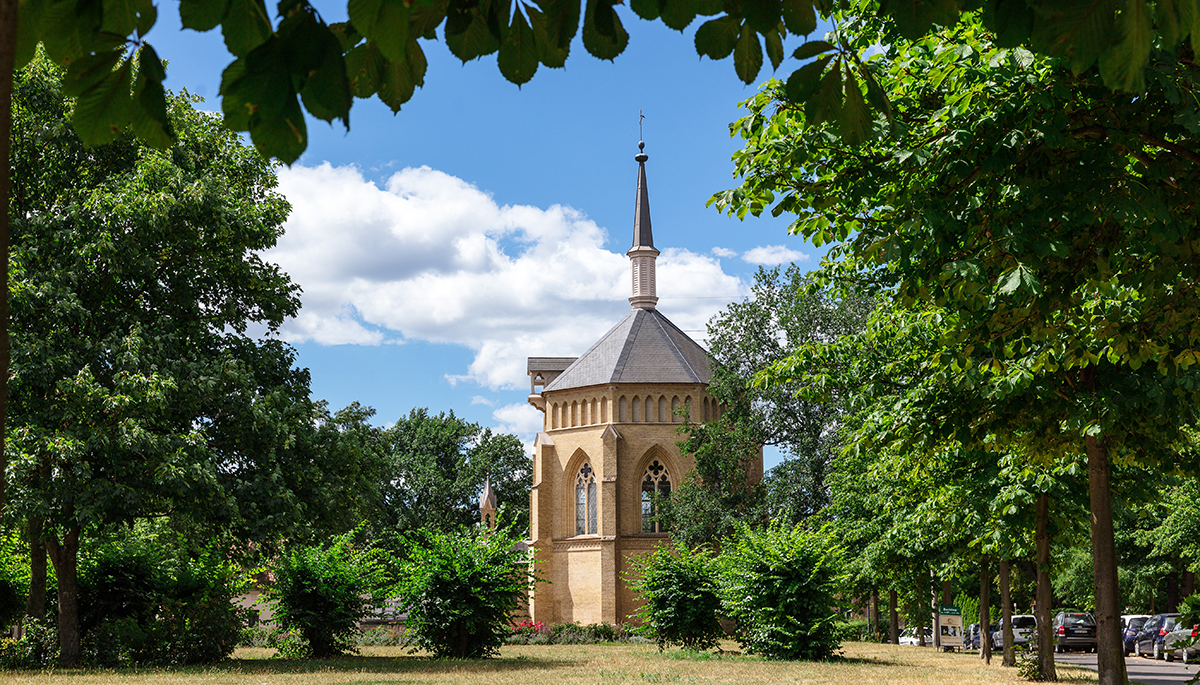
[608,444]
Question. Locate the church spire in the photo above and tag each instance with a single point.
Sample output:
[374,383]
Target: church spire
[642,254]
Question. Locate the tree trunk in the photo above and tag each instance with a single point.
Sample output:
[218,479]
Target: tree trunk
[1173,591]
[1045,639]
[1188,584]
[937,614]
[65,556]
[893,618]
[921,577]
[1110,647]
[1010,657]
[8,52]
[35,605]
[985,612]
[873,610]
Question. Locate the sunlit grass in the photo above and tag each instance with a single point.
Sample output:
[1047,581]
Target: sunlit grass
[569,664]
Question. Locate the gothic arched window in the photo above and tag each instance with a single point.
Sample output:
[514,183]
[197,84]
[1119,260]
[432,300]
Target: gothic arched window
[585,501]
[656,482]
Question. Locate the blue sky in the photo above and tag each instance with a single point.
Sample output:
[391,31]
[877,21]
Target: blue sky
[483,223]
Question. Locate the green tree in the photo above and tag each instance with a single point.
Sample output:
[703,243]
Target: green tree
[678,589]
[1049,218]
[136,390]
[437,466]
[460,588]
[784,312]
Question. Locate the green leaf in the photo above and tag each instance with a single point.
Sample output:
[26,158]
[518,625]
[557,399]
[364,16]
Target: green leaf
[825,104]
[246,26]
[518,59]
[812,49]
[28,29]
[384,21]
[68,29]
[1010,20]
[762,15]
[562,21]
[716,38]
[103,108]
[150,121]
[88,72]
[603,35]
[315,59]
[646,9]
[855,119]
[549,52]
[915,17]
[121,17]
[257,88]
[202,15]
[679,14]
[364,69]
[804,81]
[1078,30]
[774,44]
[348,36]
[1123,66]
[875,95]
[747,55]
[401,79]
[467,33]
[799,16]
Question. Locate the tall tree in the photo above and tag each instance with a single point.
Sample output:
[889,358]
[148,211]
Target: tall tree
[1052,220]
[136,390]
[437,466]
[785,310]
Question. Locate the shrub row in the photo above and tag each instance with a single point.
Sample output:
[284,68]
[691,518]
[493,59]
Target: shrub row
[776,583]
[529,633]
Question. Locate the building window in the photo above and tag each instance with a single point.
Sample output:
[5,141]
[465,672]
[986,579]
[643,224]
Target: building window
[585,501]
[656,482]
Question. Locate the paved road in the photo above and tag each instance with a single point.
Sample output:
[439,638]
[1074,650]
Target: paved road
[1141,670]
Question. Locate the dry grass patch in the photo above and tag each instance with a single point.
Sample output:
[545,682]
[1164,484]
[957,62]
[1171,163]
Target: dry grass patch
[567,665]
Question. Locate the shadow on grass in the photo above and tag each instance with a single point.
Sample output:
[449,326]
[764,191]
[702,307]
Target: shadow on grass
[383,664]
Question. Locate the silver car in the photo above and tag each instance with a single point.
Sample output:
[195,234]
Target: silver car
[1022,627]
[1183,643]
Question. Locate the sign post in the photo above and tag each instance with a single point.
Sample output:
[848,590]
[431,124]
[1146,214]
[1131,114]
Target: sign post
[950,627]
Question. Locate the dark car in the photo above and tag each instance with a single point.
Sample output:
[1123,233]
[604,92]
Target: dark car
[977,636]
[1074,630]
[1132,628]
[1149,640]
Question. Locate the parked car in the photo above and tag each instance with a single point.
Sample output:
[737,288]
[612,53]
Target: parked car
[909,637]
[1183,642]
[1023,626]
[1132,626]
[1074,630]
[977,637]
[1149,640]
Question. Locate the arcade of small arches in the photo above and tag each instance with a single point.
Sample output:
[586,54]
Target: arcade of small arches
[635,409]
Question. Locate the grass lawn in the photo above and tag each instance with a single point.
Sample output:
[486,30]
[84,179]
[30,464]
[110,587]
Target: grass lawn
[567,664]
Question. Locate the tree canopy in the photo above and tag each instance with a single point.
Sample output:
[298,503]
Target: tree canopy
[137,390]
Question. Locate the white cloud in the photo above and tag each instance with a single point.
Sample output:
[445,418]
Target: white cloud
[480,399]
[431,257]
[724,252]
[522,420]
[770,255]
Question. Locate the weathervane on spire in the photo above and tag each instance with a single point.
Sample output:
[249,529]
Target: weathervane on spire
[641,117]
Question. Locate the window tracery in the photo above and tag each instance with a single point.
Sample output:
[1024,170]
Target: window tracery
[585,501]
[656,481]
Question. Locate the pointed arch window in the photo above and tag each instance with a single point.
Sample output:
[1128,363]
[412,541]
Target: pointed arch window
[585,501]
[656,481]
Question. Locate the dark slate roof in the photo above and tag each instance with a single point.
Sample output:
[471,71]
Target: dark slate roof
[645,347]
[549,363]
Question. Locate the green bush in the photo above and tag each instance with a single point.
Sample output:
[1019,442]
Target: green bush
[145,603]
[1189,610]
[777,584]
[529,633]
[679,598]
[459,589]
[321,592]
[36,649]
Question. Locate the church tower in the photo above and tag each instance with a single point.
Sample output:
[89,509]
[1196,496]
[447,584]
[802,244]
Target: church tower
[608,445]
